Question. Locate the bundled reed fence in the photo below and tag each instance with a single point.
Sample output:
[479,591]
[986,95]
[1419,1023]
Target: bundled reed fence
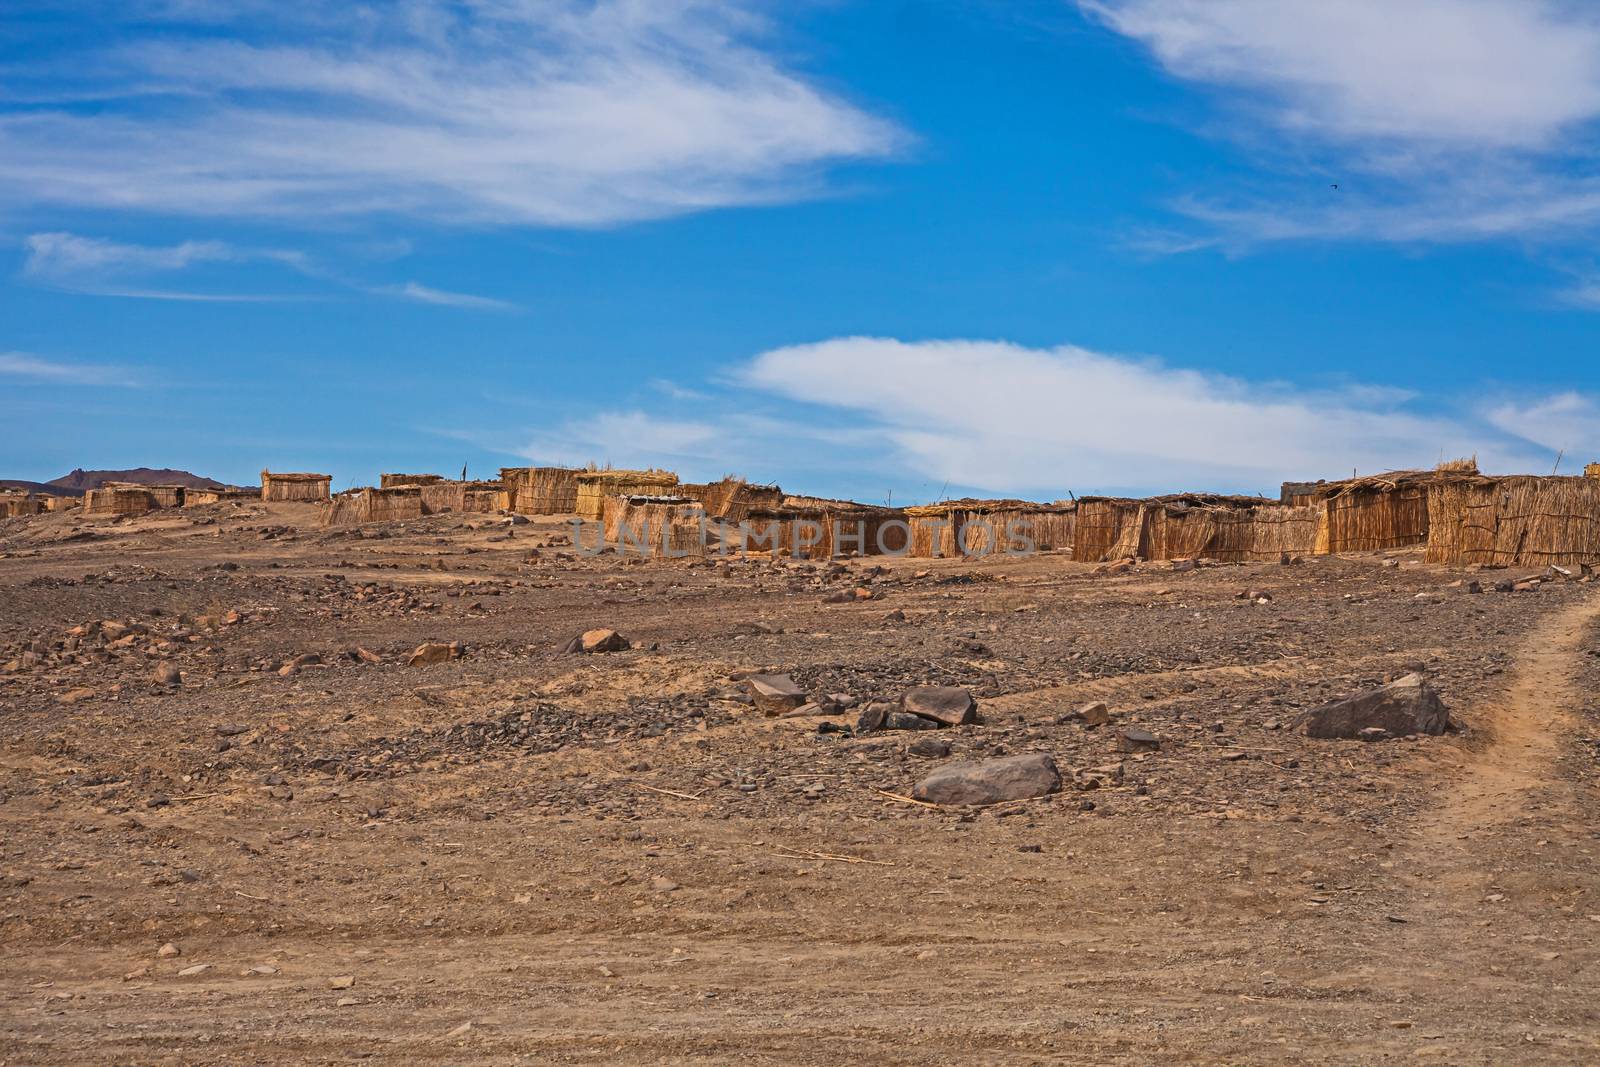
[276,486]
[594,486]
[442,496]
[818,528]
[16,505]
[396,503]
[1520,520]
[192,497]
[988,527]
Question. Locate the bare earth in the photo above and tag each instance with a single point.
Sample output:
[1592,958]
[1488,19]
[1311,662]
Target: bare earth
[528,856]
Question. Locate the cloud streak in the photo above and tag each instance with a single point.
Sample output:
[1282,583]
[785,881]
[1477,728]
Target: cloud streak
[544,112]
[24,367]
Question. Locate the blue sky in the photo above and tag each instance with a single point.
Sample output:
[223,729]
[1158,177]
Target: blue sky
[865,249]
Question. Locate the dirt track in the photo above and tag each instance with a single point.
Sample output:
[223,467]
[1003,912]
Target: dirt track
[528,857]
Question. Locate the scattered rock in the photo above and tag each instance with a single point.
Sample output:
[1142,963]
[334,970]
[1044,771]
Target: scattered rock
[343,981]
[435,652]
[366,655]
[1096,714]
[1402,708]
[168,674]
[990,781]
[168,951]
[904,720]
[929,748]
[594,641]
[774,694]
[1133,739]
[945,704]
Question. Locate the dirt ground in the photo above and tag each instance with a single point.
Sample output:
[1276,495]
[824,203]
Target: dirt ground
[530,856]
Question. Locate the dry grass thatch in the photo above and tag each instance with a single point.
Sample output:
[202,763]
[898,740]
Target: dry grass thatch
[1382,511]
[1591,470]
[1514,521]
[277,486]
[732,498]
[594,486]
[193,497]
[389,481]
[397,503]
[61,503]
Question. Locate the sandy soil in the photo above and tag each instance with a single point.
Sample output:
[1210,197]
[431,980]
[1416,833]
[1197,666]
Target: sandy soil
[527,856]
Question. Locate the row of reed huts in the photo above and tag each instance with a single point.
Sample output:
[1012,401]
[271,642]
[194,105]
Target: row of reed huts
[1455,513]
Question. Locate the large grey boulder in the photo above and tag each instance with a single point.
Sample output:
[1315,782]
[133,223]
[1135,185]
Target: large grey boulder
[945,704]
[1406,706]
[990,781]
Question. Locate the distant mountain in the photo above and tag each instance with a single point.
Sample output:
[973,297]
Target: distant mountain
[42,488]
[79,480]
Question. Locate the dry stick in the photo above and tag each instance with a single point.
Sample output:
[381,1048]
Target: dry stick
[905,800]
[670,792]
[832,856]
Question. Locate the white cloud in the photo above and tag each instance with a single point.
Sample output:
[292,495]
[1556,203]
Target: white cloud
[1567,422]
[1004,418]
[562,112]
[426,295]
[26,367]
[626,439]
[57,254]
[1439,120]
[1479,73]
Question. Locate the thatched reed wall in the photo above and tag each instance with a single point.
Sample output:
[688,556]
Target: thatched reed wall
[277,486]
[817,528]
[166,496]
[1591,470]
[442,496]
[397,503]
[117,500]
[192,497]
[732,498]
[1380,512]
[388,481]
[61,503]
[1100,523]
[657,526]
[986,527]
[595,486]
[1521,520]
[541,490]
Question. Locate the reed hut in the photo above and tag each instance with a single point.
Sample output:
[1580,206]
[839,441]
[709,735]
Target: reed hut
[732,498]
[986,527]
[386,481]
[471,496]
[1520,520]
[396,503]
[541,490]
[1591,470]
[819,528]
[61,503]
[1381,512]
[117,500]
[16,505]
[595,485]
[276,487]
[655,525]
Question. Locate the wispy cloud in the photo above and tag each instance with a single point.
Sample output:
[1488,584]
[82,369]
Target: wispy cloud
[99,267]
[426,295]
[563,112]
[26,367]
[1452,120]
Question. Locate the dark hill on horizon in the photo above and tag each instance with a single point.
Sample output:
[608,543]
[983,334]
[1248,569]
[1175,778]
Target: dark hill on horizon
[75,483]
